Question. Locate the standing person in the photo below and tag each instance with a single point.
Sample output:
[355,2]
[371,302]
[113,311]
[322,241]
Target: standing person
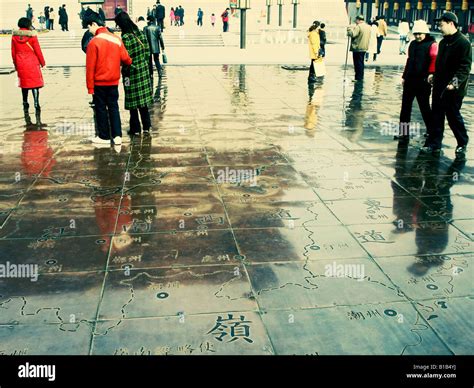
[374,35]
[63,18]
[314,42]
[420,64]
[138,89]
[181,16]
[41,20]
[160,15]
[52,16]
[29,12]
[403,31]
[383,30]
[66,18]
[28,61]
[225,20]
[450,83]
[322,38]
[105,53]
[155,42]
[46,16]
[200,14]
[148,12]
[213,20]
[172,16]
[360,36]
[176,16]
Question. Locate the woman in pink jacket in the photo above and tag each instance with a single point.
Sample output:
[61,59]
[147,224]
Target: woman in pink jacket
[28,60]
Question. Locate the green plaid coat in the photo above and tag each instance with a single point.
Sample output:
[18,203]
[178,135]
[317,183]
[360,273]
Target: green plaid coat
[138,89]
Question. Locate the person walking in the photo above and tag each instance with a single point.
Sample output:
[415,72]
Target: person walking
[403,31]
[63,18]
[105,53]
[314,42]
[383,30]
[172,19]
[181,16]
[374,34]
[160,15]
[52,17]
[360,36]
[28,61]
[155,43]
[420,65]
[225,20]
[138,88]
[450,84]
[200,14]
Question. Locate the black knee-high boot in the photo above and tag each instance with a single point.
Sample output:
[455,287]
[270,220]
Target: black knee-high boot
[37,105]
[26,106]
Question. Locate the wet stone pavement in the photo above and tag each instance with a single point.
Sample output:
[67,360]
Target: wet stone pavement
[261,217]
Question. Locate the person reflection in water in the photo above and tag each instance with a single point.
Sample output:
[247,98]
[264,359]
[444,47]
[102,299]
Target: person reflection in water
[427,180]
[36,154]
[355,114]
[316,93]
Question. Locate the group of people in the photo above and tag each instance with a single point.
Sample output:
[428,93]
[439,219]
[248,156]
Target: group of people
[47,18]
[177,16]
[158,13]
[440,72]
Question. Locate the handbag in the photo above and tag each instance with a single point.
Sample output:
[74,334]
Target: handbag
[319,68]
[165,58]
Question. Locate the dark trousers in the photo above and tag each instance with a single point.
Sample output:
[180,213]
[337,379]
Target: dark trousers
[135,122]
[64,27]
[447,105]
[107,110]
[421,90]
[226,26]
[199,22]
[312,74]
[379,43]
[155,57]
[51,24]
[160,24]
[358,58]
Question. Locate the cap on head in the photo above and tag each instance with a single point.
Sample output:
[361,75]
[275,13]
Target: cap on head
[360,17]
[448,17]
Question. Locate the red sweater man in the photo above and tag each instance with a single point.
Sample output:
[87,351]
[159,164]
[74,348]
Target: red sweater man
[105,53]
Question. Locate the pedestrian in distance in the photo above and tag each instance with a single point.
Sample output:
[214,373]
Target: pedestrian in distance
[42,20]
[172,20]
[102,15]
[156,44]
[314,42]
[200,15]
[322,38]
[29,12]
[28,61]
[160,15]
[225,20]
[403,34]
[105,53]
[374,34]
[181,16]
[52,17]
[420,65]
[360,37]
[46,16]
[213,20]
[63,18]
[137,82]
[450,84]
[383,30]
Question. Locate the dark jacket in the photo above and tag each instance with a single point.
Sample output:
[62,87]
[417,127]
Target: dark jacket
[101,14]
[46,12]
[160,11]
[63,18]
[322,37]
[418,62]
[453,64]
[155,39]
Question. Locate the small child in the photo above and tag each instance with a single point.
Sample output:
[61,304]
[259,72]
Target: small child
[42,20]
[213,19]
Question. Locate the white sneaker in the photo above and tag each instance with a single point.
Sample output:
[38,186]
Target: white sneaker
[98,140]
[117,140]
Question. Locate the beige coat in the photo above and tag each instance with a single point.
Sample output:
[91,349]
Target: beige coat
[383,29]
[360,35]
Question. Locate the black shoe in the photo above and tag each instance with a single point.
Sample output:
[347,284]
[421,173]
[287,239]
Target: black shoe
[430,150]
[461,151]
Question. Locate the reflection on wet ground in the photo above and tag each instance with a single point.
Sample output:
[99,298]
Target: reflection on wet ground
[261,217]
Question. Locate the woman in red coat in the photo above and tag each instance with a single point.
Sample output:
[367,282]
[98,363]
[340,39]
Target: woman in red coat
[28,60]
